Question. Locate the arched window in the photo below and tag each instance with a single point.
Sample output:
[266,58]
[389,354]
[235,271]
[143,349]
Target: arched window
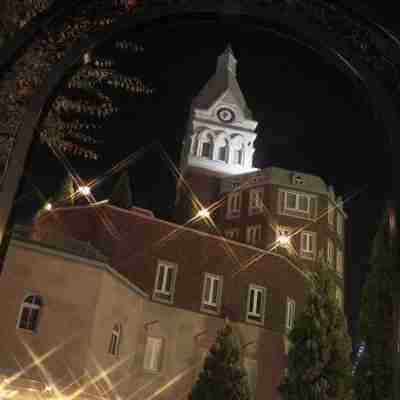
[29,314]
[115,340]
[206,149]
[238,156]
[223,152]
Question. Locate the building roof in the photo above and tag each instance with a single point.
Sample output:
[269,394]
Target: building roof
[223,84]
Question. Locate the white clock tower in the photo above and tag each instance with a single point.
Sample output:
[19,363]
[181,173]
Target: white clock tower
[219,140]
[220,135]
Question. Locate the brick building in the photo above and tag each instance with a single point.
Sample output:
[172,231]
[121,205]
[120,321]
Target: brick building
[100,288]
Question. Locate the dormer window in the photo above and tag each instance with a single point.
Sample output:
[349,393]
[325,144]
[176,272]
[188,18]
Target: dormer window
[297,179]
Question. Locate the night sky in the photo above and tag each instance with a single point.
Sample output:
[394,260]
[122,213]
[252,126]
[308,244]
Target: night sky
[312,118]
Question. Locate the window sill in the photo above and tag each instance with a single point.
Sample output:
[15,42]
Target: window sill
[26,330]
[158,297]
[307,256]
[209,309]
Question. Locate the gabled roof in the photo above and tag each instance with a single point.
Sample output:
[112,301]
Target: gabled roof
[223,86]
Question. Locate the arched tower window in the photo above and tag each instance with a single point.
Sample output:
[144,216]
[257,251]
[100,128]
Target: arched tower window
[29,314]
[115,340]
[237,155]
[205,145]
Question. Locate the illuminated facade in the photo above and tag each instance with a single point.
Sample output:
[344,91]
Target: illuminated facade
[115,303]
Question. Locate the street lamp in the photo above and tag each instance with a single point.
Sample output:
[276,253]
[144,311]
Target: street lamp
[283,240]
[203,213]
[48,206]
[85,190]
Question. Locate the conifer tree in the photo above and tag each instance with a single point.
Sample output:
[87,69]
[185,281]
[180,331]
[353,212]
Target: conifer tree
[319,364]
[222,377]
[374,372]
[121,195]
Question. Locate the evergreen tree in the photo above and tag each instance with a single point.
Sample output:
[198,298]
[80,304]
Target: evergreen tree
[374,372]
[121,195]
[319,366]
[222,377]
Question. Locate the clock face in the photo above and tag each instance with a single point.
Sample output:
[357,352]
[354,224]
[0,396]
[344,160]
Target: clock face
[225,115]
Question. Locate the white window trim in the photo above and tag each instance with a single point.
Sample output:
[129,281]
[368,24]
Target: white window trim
[297,208]
[290,313]
[259,196]
[305,253]
[207,306]
[233,213]
[282,210]
[257,235]
[32,307]
[251,313]
[155,365]
[157,294]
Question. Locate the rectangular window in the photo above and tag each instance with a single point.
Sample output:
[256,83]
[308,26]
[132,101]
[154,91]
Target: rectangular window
[165,282]
[308,244]
[253,234]
[290,313]
[330,253]
[212,292]
[339,224]
[331,215]
[232,234]
[152,355]
[256,201]
[339,261]
[234,203]
[297,202]
[256,301]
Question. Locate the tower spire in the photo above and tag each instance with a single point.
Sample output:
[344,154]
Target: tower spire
[227,61]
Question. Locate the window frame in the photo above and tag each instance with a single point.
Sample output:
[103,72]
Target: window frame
[251,316]
[115,341]
[290,313]
[233,198]
[240,154]
[210,149]
[297,206]
[158,363]
[30,306]
[259,201]
[258,236]
[160,294]
[305,253]
[206,305]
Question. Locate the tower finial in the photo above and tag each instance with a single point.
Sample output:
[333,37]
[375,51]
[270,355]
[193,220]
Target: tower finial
[227,61]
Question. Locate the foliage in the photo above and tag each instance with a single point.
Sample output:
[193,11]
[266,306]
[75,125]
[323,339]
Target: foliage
[373,375]
[69,123]
[222,377]
[121,195]
[319,365]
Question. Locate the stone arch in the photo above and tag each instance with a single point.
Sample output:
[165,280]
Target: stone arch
[205,144]
[367,53]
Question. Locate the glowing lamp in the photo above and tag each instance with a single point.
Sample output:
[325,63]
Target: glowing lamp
[85,190]
[283,240]
[48,207]
[203,213]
